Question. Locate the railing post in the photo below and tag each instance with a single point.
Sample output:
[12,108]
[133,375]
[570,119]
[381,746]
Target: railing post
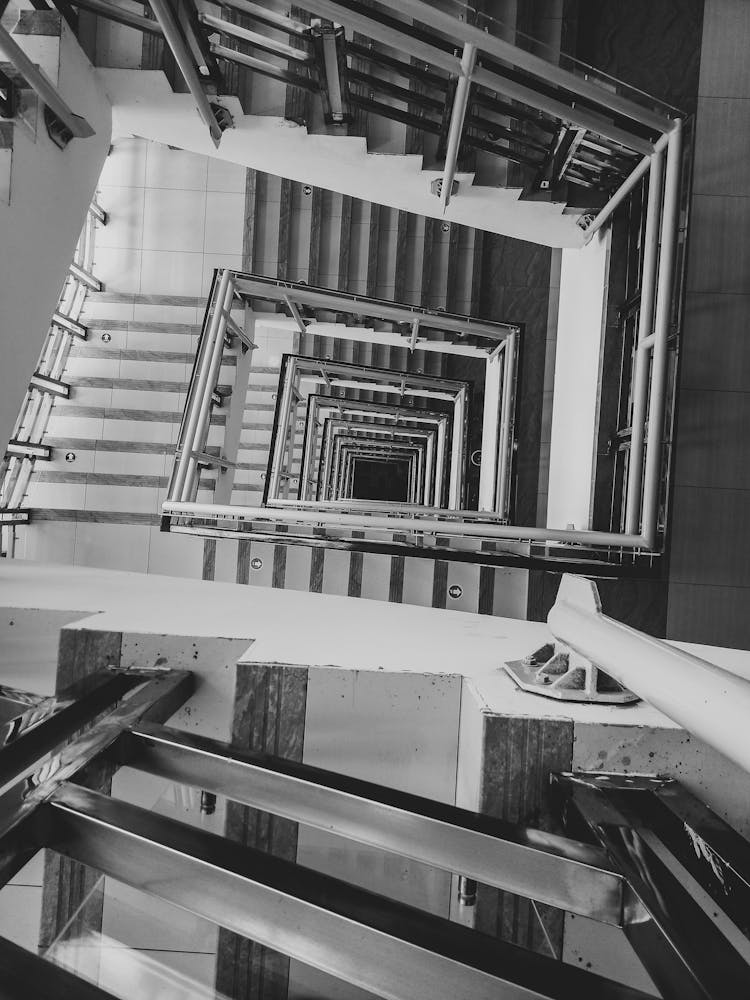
[662,319]
[197,390]
[642,361]
[201,418]
[506,426]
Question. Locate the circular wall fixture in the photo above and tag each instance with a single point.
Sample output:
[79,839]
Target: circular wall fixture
[256,563]
[106,337]
[446,227]
[70,456]
[476,457]
[455,591]
[307,190]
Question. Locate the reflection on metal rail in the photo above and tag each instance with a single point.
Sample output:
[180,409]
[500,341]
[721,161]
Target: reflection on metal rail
[638,876]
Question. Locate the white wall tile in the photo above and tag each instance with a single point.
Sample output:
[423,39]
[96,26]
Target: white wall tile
[174,220]
[126,164]
[124,228]
[225,176]
[224,222]
[118,268]
[171,272]
[175,169]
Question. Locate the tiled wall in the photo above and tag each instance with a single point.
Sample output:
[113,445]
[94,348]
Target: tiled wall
[709,584]
[174,217]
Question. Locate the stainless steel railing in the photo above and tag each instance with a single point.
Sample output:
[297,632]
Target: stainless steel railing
[27,445]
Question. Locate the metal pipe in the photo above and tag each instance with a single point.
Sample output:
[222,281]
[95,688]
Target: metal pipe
[263,42]
[209,376]
[708,702]
[198,388]
[254,287]
[440,58]
[163,14]
[642,359]
[506,427]
[282,430]
[429,14]
[456,127]
[626,187]
[664,283]
[433,527]
[42,86]
[379,945]
[519,859]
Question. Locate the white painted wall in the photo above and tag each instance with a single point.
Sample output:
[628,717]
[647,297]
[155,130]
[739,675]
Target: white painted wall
[50,192]
[580,324]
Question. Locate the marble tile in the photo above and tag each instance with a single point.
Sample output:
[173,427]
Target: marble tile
[519,754]
[174,220]
[175,169]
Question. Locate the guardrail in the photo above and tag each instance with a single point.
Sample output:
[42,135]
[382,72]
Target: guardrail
[708,702]
[666,871]
[191,454]
[26,446]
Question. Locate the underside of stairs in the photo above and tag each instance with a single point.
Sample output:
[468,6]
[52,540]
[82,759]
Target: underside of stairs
[519,172]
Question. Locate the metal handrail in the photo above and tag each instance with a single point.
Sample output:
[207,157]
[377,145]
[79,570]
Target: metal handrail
[196,419]
[711,703]
[77,125]
[34,414]
[165,17]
